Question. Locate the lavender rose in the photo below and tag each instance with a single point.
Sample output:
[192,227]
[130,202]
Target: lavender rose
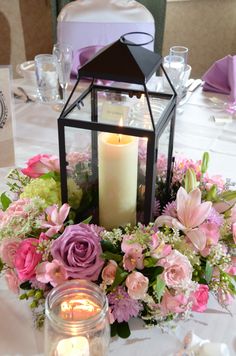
[79,250]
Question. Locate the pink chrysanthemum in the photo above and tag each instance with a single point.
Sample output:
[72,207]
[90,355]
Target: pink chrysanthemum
[215,218]
[170,209]
[122,306]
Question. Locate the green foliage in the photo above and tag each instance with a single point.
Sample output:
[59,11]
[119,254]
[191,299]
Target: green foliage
[152,273]
[55,175]
[120,329]
[205,162]
[159,288]
[4,201]
[208,272]
[119,278]
[190,180]
[111,256]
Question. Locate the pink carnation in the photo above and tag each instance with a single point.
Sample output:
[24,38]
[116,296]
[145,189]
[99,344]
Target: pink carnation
[214,180]
[27,258]
[41,164]
[177,270]
[137,285]
[15,209]
[200,298]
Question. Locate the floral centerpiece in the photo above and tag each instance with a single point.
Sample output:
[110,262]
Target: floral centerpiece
[158,272]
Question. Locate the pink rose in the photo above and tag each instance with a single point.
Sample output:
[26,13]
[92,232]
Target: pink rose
[200,298]
[27,258]
[41,164]
[8,251]
[12,281]
[109,272]
[177,270]
[137,285]
[51,272]
[173,303]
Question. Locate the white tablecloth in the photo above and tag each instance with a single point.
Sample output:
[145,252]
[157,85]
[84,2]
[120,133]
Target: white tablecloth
[196,132]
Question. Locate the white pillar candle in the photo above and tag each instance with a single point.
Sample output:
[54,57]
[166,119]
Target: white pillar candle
[117,175]
[73,346]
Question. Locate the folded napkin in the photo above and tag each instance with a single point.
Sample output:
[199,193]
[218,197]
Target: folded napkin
[221,77]
[193,345]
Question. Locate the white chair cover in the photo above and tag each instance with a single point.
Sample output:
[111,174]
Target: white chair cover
[96,23]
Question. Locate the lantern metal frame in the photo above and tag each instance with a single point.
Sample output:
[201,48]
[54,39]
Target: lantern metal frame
[153,136]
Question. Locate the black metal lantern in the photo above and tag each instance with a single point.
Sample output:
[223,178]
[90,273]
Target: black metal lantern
[111,135]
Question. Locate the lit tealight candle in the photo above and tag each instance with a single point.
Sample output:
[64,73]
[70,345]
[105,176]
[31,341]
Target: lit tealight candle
[117,172]
[73,346]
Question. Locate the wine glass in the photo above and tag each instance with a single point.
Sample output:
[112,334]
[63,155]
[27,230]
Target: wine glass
[64,55]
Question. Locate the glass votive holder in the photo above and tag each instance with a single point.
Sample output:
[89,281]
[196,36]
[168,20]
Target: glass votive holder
[76,320]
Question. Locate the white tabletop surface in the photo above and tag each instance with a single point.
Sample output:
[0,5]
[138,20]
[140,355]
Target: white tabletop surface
[196,132]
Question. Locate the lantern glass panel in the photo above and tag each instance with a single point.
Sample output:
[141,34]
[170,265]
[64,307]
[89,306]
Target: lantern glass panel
[162,164]
[105,176]
[122,107]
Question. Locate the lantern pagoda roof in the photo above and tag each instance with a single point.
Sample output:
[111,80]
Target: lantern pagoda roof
[122,62]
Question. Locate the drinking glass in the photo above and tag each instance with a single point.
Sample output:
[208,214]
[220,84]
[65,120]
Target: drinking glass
[180,51]
[64,55]
[47,77]
[174,67]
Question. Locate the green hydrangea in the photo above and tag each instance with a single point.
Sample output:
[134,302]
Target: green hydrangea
[75,194]
[47,189]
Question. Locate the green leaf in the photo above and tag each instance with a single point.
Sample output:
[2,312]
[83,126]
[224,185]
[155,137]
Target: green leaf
[54,175]
[114,329]
[123,330]
[212,193]
[111,256]
[87,221]
[1,265]
[5,201]
[109,246]
[152,272]
[119,278]
[25,285]
[208,272]
[159,287]
[229,195]
[205,161]
[150,262]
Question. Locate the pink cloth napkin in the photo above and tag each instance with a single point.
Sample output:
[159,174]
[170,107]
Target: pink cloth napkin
[221,77]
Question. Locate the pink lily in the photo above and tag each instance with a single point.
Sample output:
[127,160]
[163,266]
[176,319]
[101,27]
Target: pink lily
[191,213]
[55,219]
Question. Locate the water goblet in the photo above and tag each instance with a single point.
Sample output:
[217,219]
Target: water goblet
[64,55]
[174,67]
[180,51]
